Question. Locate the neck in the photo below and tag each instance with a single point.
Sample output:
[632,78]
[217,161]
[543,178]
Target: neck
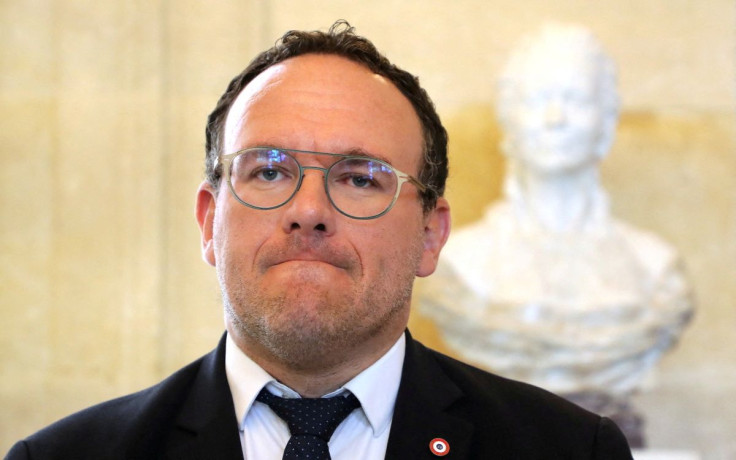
[560,202]
[317,377]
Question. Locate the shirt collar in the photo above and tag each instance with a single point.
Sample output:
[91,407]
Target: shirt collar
[377,386]
[246,379]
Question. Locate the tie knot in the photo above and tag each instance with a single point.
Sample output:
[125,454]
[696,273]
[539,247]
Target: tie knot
[311,416]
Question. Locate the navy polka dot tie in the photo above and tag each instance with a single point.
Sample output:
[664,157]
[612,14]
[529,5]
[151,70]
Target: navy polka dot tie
[311,422]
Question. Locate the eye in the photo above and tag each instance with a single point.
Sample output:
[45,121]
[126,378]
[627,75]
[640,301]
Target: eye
[260,166]
[268,174]
[360,174]
[361,181]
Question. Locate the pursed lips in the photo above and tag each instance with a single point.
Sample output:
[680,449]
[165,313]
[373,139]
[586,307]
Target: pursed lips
[335,261]
[303,260]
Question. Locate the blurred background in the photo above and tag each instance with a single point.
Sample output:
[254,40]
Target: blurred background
[102,113]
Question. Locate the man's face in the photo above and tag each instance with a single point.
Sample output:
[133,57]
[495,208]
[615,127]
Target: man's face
[302,283]
[557,123]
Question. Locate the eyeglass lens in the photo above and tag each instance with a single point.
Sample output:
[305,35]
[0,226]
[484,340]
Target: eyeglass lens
[357,187]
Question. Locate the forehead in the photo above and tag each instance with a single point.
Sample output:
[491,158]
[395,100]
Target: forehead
[563,71]
[325,103]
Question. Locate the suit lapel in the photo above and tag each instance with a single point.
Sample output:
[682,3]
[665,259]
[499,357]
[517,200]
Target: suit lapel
[423,409]
[206,427]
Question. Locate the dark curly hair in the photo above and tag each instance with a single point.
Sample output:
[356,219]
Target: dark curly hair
[340,40]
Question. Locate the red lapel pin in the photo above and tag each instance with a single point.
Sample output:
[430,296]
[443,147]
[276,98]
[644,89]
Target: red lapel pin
[439,447]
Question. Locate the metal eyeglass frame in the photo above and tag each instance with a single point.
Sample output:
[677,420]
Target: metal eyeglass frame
[226,160]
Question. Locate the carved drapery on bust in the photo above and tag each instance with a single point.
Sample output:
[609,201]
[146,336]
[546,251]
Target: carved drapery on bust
[548,287]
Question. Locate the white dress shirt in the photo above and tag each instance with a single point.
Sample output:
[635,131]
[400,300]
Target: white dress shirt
[363,435]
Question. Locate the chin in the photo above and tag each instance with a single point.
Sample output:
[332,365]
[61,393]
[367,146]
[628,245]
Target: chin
[557,162]
[304,343]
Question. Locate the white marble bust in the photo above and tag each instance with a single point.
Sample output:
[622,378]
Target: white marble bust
[548,287]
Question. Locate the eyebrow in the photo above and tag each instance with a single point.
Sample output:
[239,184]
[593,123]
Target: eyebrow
[355,152]
[358,152]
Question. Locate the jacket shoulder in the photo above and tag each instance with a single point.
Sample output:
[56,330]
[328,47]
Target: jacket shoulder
[106,430]
[487,389]
[518,419]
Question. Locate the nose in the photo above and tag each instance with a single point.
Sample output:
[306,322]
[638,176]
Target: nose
[310,210]
[554,114]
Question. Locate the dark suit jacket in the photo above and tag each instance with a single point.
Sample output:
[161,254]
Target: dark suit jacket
[190,415]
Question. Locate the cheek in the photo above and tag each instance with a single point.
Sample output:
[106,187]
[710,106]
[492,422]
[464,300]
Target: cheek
[525,131]
[527,120]
[398,247]
[236,237]
[588,118]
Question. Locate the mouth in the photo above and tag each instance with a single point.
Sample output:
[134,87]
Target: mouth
[304,261]
[315,271]
[308,258]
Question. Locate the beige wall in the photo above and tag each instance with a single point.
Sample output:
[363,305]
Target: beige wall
[102,109]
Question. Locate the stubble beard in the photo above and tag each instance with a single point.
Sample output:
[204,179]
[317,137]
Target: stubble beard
[308,329]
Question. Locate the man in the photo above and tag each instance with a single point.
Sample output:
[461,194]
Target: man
[323,200]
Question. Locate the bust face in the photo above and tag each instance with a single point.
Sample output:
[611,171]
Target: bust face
[556,119]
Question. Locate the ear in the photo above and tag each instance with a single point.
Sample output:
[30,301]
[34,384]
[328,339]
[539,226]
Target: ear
[436,231]
[205,211]
[606,135]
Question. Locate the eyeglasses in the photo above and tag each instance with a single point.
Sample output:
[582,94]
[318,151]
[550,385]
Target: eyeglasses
[359,187]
